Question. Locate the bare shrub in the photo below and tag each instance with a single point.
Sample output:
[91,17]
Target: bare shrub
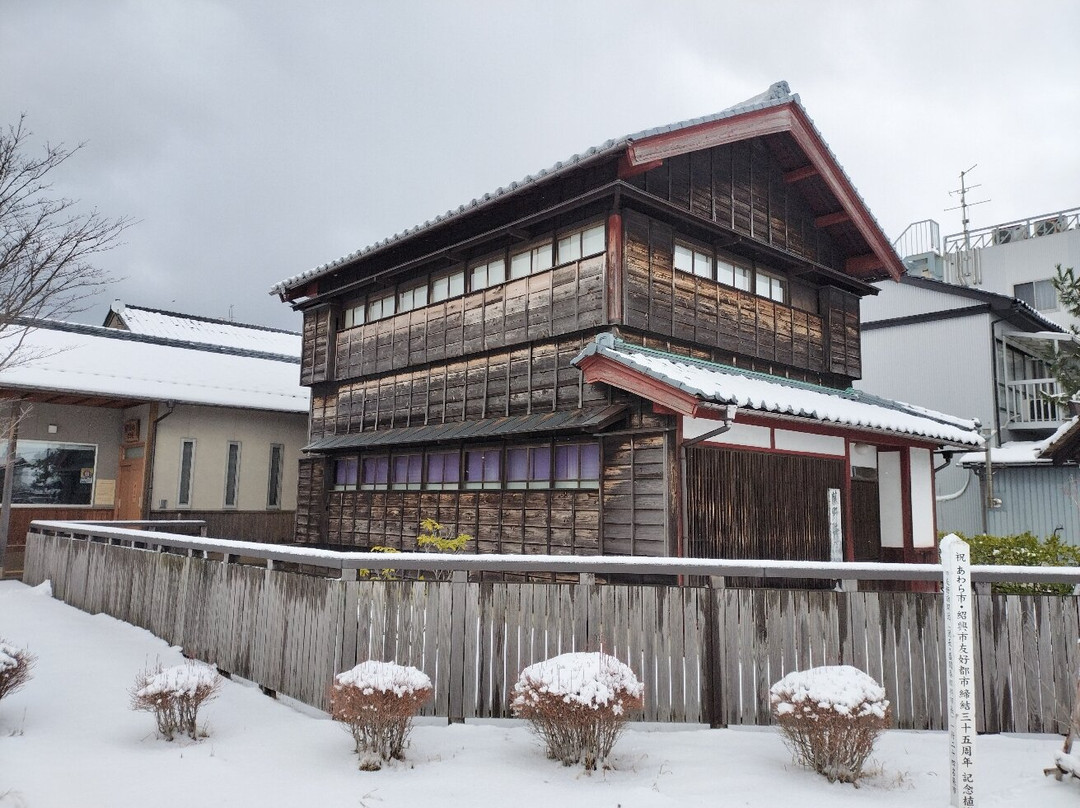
[15,666]
[578,704]
[376,701]
[831,717]
[174,695]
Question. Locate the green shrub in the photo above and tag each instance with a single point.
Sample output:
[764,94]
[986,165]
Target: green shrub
[1024,550]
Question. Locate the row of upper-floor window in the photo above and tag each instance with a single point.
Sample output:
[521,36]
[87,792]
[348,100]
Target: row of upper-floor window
[549,464]
[730,270]
[553,250]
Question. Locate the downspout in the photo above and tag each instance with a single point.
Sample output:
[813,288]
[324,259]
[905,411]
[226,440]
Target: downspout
[151,455]
[727,418]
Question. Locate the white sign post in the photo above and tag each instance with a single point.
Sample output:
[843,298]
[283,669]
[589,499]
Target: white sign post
[960,668]
[836,532]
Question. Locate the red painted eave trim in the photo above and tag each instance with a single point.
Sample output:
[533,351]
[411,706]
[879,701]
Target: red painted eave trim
[790,118]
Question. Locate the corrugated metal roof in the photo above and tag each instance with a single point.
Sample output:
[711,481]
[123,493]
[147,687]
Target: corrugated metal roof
[723,384]
[584,420]
[778,93]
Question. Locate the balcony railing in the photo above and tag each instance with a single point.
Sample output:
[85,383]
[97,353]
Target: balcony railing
[1028,407]
[1009,232]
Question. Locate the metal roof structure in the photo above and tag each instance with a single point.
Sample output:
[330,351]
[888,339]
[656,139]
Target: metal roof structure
[590,419]
[778,94]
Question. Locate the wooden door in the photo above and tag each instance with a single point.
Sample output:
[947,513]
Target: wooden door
[129,486]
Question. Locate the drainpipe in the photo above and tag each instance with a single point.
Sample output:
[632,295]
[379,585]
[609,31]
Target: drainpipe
[151,454]
[727,417]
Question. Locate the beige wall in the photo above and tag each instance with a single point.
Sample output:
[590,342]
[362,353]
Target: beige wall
[212,428]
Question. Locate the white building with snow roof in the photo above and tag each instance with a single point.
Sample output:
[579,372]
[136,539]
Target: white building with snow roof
[123,425]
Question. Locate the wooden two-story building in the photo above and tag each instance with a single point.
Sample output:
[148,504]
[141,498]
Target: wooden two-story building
[647,349]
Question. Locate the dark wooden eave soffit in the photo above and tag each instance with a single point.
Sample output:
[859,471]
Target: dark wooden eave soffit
[587,420]
[791,119]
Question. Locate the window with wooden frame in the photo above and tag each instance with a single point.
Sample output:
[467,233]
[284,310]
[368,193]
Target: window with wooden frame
[354,313]
[273,477]
[346,470]
[375,472]
[187,470]
[414,297]
[693,259]
[443,287]
[483,467]
[774,287]
[536,258]
[443,470]
[731,271]
[581,243]
[577,465]
[490,272]
[381,306]
[406,470]
[232,473]
[528,466]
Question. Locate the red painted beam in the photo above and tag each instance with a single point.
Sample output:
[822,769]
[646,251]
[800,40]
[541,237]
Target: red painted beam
[861,264]
[628,169]
[829,219]
[799,174]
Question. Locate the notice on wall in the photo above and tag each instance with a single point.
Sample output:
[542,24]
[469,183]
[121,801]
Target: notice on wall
[960,668]
[105,492]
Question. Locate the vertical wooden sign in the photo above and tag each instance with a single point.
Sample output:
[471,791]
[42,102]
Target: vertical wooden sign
[836,532]
[960,669]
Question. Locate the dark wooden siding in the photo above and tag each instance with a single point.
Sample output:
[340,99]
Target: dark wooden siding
[273,527]
[741,187]
[311,501]
[702,312]
[557,522]
[317,349]
[531,378]
[538,307]
[743,504]
[842,336]
[637,499]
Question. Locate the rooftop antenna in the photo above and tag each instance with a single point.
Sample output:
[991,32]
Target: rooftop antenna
[964,204]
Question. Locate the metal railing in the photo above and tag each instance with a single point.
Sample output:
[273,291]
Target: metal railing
[1008,232]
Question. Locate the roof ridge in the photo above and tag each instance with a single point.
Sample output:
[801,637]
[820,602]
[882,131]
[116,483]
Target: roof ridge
[133,336]
[214,320]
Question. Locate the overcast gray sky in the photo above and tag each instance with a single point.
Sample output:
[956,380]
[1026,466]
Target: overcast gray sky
[254,140]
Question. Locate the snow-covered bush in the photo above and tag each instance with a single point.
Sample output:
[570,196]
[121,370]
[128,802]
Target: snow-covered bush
[831,717]
[377,701]
[578,704]
[15,667]
[174,695]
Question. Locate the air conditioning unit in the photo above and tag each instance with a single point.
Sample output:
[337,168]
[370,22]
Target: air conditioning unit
[1007,235]
[1046,227]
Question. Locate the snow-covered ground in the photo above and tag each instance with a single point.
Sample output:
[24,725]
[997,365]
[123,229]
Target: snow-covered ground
[70,739]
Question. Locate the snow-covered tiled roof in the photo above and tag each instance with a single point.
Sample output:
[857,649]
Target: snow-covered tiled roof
[108,362]
[748,390]
[779,93]
[189,328]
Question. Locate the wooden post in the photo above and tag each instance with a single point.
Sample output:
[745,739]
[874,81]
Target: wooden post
[459,580]
[714,657]
[582,624]
[960,668]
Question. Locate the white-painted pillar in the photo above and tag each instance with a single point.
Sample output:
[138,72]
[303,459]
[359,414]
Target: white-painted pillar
[960,669]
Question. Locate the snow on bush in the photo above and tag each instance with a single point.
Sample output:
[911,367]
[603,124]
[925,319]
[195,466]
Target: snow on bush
[578,704]
[174,695]
[15,667]
[377,701]
[831,717]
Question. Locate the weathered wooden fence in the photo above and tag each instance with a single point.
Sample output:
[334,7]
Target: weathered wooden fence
[704,654]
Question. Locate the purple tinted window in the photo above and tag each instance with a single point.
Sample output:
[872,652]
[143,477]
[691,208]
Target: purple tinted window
[491,466]
[482,466]
[517,464]
[566,462]
[443,467]
[541,464]
[590,461]
[376,470]
[407,469]
[345,471]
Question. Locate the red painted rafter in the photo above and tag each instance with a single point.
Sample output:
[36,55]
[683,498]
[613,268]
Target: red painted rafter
[829,219]
[789,118]
[799,174]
